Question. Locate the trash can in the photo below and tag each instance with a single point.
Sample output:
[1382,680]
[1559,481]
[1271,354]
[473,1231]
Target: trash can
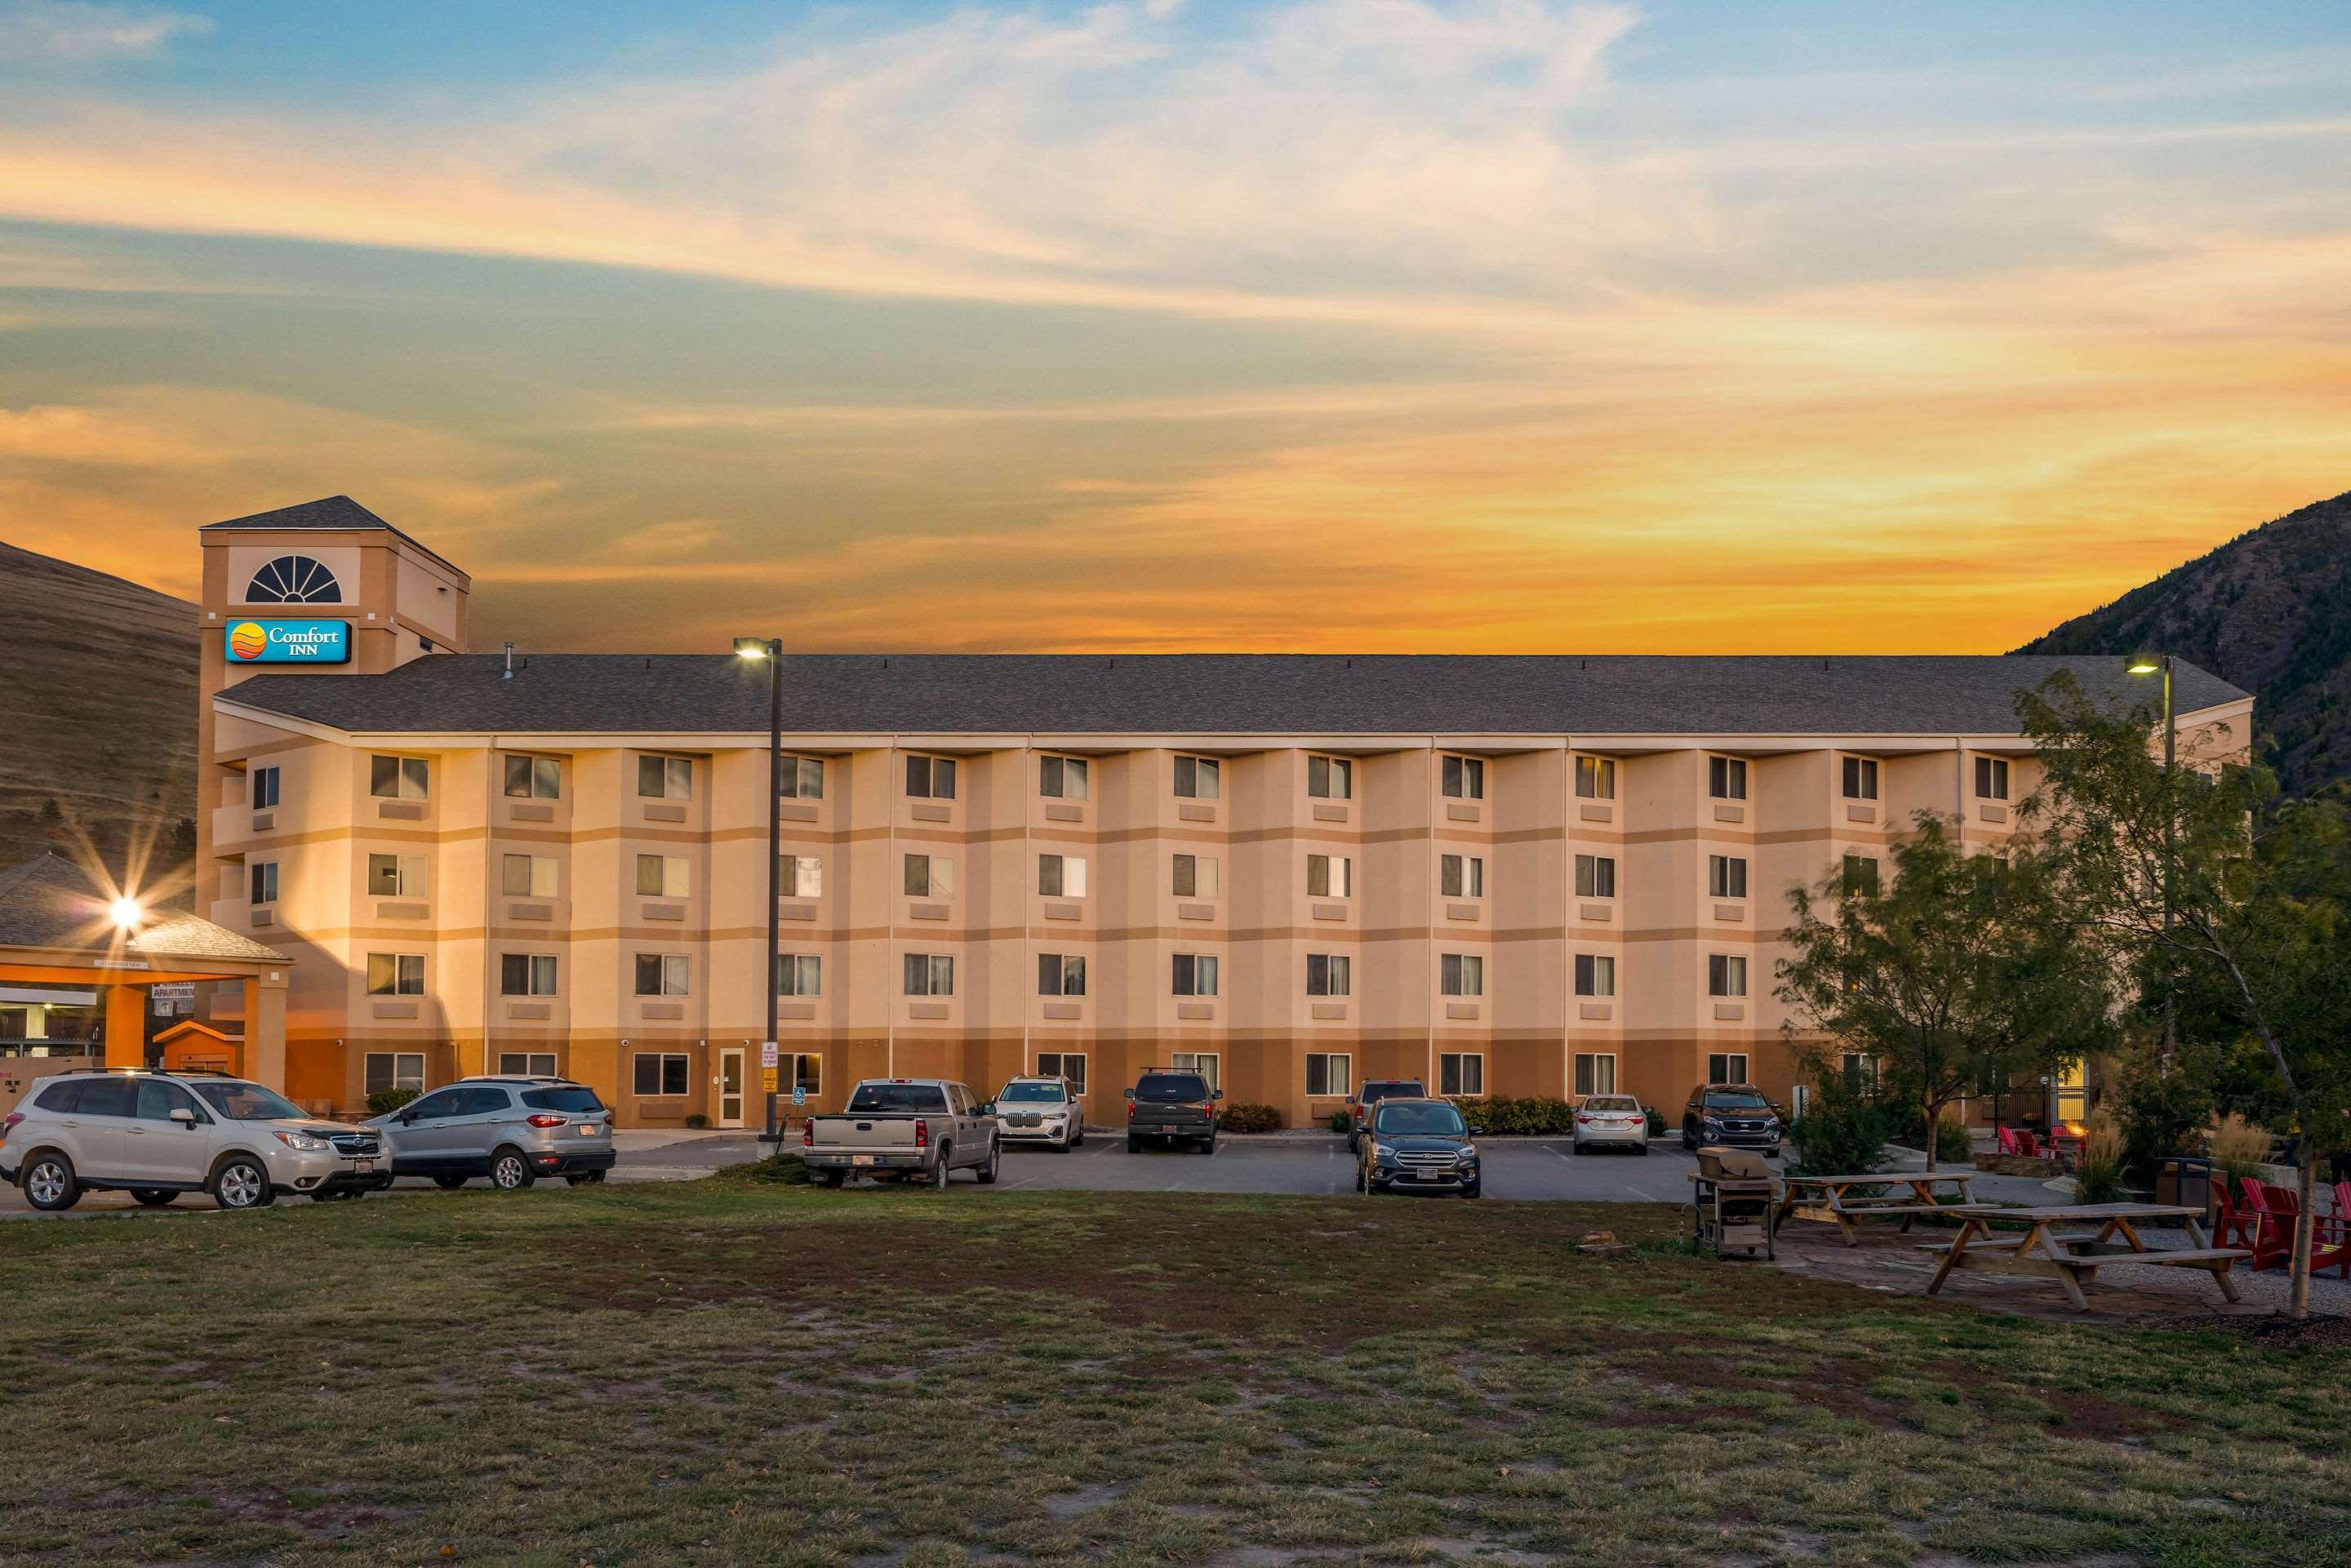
[2187,1180]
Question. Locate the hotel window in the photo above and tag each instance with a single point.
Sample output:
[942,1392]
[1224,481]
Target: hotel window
[1462,1074]
[1462,876]
[395,974]
[1726,777]
[1197,876]
[1595,876]
[1061,975]
[534,777]
[1204,1062]
[293,580]
[1061,778]
[1330,1073]
[1330,778]
[1596,1074]
[397,777]
[800,876]
[930,777]
[1198,778]
[804,1071]
[930,876]
[395,1069]
[665,777]
[1726,974]
[1596,975]
[1992,778]
[525,975]
[1330,876]
[395,876]
[1194,974]
[527,1063]
[801,778]
[265,882]
[1726,1067]
[530,876]
[656,1074]
[800,975]
[1860,1071]
[1462,778]
[1329,974]
[264,788]
[1461,974]
[1861,779]
[1069,1064]
[1726,876]
[930,975]
[1596,778]
[1860,876]
[661,975]
[663,876]
[1061,876]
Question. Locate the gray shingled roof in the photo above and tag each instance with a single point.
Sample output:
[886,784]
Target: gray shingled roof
[51,901]
[327,512]
[1176,693]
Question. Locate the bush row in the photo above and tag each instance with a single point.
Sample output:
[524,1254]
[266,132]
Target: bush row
[1245,1117]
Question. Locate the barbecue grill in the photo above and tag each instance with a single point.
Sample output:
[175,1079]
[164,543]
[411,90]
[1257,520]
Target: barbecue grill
[1732,1198]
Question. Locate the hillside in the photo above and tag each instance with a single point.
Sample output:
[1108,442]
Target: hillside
[97,701]
[2270,610]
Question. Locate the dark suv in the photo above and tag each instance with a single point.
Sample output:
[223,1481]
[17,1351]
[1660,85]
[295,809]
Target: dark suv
[1418,1146]
[1732,1115]
[1174,1107]
[1371,1093]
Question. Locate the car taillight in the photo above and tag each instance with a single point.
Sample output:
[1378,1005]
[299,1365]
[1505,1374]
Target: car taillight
[921,1134]
[544,1120]
[1582,1120]
[1130,1110]
[8,1122]
[807,1133]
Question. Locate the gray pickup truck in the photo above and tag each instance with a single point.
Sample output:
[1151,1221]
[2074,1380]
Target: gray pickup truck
[921,1128]
[1175,1107]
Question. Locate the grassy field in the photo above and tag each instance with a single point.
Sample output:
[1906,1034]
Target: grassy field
[725,1372]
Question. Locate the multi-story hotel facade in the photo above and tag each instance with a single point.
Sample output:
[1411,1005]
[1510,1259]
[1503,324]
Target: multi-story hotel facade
[1513,875]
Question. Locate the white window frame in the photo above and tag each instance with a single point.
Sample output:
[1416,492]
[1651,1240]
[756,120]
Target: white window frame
[938,977]
[1208,869]
[1330,974]
[673,876]
[1590,873]
[802,1070]
[1061,778]
[1060,876]
[542,777]
[1338,876]
[675,781]
[1992,778]
[1209,1064]
[398,1074]
[661,1089]
[1461,974]
[262,881]
[799,974]
[801,779]
[1725,777]
[1596,778]
[1204,967]
[1196,778]
[1719,1069]
[1056,1064]
[673,978]
[1069,974]
[533,884]
[1337,1086]
[1726,976]
[1726,876]
[412,776]
[407,975]
[1857,777]
[542,977]
[1457,1070]
[1330,778]
[928,875]
[1588,1074]
[263,785]
[1462,876]
[930,777]
[530,1066]
[407,875]
[1853,858]
[1596,971]
[800,876]
[1461,777]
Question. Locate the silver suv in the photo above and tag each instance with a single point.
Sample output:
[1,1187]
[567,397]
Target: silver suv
[1034,1110]
[512,1130]
[158,1135]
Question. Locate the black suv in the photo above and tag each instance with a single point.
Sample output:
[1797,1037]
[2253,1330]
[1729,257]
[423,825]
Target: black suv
[1418,1146]
[1174,1107]
[1732,1116]
[1370,1092]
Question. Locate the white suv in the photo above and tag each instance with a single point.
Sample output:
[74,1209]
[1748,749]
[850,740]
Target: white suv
[158,1135]
[1040,1110]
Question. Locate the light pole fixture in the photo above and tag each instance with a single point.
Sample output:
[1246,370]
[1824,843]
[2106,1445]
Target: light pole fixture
[2152,662]
[771,650]
[126,913]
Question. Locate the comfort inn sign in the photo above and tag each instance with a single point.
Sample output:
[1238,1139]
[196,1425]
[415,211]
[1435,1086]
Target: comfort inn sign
[287,642]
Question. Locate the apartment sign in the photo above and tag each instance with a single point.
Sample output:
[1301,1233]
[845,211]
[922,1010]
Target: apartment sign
[287,642]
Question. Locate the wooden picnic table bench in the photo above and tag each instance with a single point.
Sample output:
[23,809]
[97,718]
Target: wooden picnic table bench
[1834,1200]
[2073,1257]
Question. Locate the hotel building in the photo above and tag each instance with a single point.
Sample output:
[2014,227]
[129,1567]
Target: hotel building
[1508,876]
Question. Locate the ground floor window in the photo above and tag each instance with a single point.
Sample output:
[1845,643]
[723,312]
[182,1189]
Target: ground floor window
[1596,1074]
[1461,1072]
[803,1069]
[1332,1073]
[657,1073]
[1860,1070]
[1726,1067]
[1203,1062]
[1069,1064]
[395,1070]
[527,1063]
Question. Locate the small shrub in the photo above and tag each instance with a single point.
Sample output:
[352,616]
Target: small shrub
[384,1102]
[2240,1148]
[1953,1144]
[1842,1132]
[1656,1121]
[1533,1116]
[776,1170]
[1343,1121]
[697,1120]
[1246,1117]
[2099,1177]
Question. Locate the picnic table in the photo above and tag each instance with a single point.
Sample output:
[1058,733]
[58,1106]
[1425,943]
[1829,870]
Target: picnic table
[1839,1201]
[2073,1257]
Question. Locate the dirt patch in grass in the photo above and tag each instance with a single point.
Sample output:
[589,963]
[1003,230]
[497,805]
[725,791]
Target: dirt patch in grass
[2323,1331]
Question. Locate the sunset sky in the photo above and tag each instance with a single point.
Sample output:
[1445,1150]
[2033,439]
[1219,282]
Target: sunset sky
[1495,325]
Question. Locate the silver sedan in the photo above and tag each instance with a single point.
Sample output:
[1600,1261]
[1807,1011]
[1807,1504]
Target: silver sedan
[1612,1118]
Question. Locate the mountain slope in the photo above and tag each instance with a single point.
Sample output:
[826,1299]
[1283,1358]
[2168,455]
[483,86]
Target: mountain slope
[97,701]
[2270,610]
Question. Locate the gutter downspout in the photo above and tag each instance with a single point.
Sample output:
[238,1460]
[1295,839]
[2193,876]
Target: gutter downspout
[1428,913]
[490,806]
[890,914]
[1027,937]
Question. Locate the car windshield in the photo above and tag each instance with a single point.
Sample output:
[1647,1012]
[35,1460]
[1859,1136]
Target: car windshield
[1736,1100]
[250,1102]
[1171,1086]
[1032,1094]
[1612,1103]
[578,1100]
[1404,1088]
[872,1097]
[1410,1121]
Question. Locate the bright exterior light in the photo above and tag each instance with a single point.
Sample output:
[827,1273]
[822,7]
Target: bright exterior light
[2143,664]
[751,647]
[126,912]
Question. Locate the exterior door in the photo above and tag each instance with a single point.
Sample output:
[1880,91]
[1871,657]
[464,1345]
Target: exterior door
[730,1087]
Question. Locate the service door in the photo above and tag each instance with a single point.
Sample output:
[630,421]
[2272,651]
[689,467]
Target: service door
[730,1087]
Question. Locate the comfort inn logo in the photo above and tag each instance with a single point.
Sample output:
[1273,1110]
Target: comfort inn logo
[288,642]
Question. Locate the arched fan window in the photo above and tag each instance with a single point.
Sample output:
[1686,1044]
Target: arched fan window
[294,580]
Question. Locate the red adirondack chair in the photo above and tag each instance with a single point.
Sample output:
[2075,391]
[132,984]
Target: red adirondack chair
[2272,1211]
[2233,1229]
[2027,1145]
[2008,1144]
[2335,1233]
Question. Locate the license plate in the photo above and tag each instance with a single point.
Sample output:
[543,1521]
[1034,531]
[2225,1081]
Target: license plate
[363,1166]
[861,1159]
[587,1129]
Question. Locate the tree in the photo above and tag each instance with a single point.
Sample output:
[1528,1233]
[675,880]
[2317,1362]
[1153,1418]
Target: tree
[2230,905]
[1948,974]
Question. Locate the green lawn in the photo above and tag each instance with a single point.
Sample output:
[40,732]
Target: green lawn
[726,1372]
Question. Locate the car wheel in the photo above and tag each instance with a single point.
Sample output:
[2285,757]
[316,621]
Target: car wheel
[510,1172]
[1690,1136]
[1078,1141]
[1133,1144]
[834,1178]
[1642,1147]
[1359,1176]
[1208,1144]
[449,1182]
[1351,1144]
[153,1197]
[945,1168]
[1575,1146]
[49,1182]
[988,1171]
[1773,1153]
[1472,1191]
[241,1183]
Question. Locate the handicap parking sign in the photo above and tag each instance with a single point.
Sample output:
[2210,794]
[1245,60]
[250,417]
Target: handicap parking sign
[800,1095]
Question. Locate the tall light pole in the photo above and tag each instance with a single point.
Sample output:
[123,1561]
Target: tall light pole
[2148,661]
[771,649]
